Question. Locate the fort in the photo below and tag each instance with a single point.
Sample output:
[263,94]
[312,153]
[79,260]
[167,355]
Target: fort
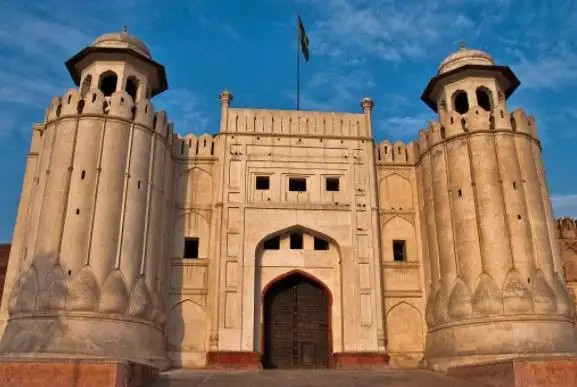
[289,239]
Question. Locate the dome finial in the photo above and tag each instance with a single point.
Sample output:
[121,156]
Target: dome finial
[462,44]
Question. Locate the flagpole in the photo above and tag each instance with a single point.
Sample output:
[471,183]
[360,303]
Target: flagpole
[298,68]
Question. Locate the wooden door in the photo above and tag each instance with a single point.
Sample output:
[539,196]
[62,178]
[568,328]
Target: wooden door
[296,326]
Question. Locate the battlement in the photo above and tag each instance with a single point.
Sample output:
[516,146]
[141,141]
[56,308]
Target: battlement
[297,123]
[191,146]
[567,228]
[397,153]
[118,105]
[475,120]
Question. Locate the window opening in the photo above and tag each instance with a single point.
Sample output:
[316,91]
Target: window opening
[272,243]
[262,182]
[332,184]
[298,184]
[484,98]
[399,250]
[460,102]
[296,241]
[132,87]
[108,82]
[190,247]
[321,244]
[82,175]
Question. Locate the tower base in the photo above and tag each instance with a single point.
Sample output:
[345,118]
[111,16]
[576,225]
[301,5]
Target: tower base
[534,372]
[84,335]
[478,341]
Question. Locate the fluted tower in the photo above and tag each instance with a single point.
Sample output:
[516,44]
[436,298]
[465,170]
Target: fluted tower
[496,288]
[87,280]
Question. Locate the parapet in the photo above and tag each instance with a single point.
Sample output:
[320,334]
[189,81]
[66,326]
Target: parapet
[567,228]
[475,120]
[297,123]
[192,146]
[119,105]
[398,153]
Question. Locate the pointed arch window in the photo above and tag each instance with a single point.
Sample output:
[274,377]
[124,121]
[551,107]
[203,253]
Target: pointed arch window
[460,102]
[86,84]
[132,87]
[107,83]
[484,98]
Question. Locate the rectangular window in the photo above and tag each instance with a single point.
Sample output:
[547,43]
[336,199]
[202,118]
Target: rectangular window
[332,184]
[321,244]
[190,247]
[399,251]
[296,241]
[262,183]
[272,244]
[298,184]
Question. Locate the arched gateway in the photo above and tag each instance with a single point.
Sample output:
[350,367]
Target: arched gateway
[296,323]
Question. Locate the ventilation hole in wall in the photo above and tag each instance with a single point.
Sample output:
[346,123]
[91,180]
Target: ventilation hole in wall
[196,147]
[518,216]
[476,112]
[69,272]
[386,150]
[133,111]
[205,142]
[513,124]
[77,211]
[212,148]
[342,141]
[379,153]
[257,137]
[121,101]
[232,137]
[146,109]
[452,120]
[491,123]
[58,110]
[460,193]
[69,98]
[514,185]
[82,175]
[154,121]
[528,280]
[182,147]
[443,132]
[139,184]
[278,139]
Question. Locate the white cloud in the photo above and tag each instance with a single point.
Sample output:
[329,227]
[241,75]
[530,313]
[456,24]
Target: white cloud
[564,205]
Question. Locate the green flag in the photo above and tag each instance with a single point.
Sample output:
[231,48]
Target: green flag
[304,40]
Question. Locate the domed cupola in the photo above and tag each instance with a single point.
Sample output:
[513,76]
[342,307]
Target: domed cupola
[118,61]
[469,72]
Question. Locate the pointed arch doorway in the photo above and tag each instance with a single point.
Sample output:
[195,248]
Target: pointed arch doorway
[296,329]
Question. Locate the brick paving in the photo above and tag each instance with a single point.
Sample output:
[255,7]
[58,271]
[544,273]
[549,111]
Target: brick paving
[307,378]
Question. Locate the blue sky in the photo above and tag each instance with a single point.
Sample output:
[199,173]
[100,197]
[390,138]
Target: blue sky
[381,48]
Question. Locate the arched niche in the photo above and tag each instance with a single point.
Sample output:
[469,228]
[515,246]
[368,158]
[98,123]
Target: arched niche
[405,329]
[194,187]
[395,192]
[398,229]
[186,329]
[191,224]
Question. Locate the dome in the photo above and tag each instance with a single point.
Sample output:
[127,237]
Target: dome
[465,56]
[122,40]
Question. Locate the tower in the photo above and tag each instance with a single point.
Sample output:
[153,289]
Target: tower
[87,277]
[496,289]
